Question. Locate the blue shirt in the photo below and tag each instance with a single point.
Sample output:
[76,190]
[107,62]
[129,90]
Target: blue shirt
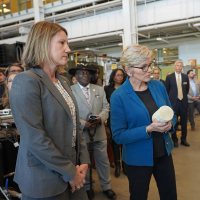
[193,86]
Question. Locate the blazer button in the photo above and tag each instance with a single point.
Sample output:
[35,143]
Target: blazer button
[167,143]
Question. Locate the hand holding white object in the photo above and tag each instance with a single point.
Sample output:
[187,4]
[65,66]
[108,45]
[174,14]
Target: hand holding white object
[159,126]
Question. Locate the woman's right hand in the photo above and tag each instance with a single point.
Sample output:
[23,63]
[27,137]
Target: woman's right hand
[159,126]
[78,180]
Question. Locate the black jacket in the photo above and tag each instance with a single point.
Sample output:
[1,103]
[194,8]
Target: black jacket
[108,90]
[172,90]
[162,81]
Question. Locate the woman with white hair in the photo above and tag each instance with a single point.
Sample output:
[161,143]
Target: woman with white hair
[146,143]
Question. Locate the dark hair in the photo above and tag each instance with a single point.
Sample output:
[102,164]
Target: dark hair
[189,71]
[2,71]
[112,75]
[13,64]
[93,78]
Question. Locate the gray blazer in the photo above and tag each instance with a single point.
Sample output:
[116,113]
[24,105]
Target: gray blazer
[99,106]
[44,121]
[191,94]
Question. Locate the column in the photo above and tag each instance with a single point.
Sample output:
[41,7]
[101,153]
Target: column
[38,10]
[129,21]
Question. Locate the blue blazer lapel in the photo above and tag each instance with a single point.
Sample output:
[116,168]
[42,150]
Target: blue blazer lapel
[51,87]
[128,88]
[153,91]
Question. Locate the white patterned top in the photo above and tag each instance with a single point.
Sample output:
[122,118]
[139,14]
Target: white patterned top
[71,105]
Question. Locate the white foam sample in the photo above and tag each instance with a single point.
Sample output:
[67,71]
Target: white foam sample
[163,114]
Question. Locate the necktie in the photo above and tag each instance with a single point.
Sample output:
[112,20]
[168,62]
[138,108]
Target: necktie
[180,91]
[86,94]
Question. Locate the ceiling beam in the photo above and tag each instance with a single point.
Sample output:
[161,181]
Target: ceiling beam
[163,25]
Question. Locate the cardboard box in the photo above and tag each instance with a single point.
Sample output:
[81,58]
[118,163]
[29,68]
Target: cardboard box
[192,62]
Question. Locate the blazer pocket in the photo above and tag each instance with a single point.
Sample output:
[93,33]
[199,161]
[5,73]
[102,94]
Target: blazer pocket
[32,161]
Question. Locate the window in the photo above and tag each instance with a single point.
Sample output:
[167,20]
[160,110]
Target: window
[165,56]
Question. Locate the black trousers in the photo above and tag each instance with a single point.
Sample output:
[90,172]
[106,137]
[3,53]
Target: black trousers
[191,107]
[182,112]
[139,179]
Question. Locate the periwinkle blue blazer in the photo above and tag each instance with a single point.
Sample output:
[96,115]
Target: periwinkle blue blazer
[129,118]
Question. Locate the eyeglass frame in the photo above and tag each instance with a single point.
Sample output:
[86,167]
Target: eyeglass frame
[15,71]
[122,75]
[144,67]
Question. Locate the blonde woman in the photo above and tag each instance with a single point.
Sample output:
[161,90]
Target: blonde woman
[147,144]
[52,159]
[5,98]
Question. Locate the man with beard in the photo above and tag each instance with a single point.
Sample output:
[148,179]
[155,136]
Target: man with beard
[91,100]
[193,97]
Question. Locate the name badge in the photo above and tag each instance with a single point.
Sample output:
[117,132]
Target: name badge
[97,96]
[184,83]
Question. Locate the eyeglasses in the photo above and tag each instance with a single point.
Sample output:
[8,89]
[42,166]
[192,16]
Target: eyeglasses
[144,68]
[16,71]
[122,75]
[84,73]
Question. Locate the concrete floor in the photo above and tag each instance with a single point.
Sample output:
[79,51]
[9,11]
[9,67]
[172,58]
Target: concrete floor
[187,169]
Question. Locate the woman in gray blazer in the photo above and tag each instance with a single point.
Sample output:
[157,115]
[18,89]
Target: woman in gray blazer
[52,159]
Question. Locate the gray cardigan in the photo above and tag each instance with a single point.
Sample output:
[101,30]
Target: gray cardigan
[191,94]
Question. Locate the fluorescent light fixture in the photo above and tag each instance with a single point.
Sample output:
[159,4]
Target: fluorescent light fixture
[120,44]
[87,48]
[160,39]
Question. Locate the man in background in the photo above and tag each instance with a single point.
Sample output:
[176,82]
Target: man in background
[193,97]
[91,100]
[156,76]
[177,86]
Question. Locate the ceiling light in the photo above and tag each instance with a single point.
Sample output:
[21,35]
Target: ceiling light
[87,48]
[4,5]
[160,39]
[120,44]
[164,51]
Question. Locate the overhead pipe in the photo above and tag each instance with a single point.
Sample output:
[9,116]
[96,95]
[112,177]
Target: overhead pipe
[29,23]
[193,20]
[195,25]
[95,36]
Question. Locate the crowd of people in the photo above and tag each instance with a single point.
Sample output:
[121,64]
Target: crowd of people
[54,119]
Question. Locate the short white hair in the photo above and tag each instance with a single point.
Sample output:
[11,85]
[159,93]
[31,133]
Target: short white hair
[135,54]
[178,61]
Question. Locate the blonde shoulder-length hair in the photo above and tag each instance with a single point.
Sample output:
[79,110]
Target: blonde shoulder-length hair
[37,48]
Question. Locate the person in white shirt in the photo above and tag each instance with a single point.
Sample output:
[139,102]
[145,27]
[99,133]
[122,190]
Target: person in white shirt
[193,97]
